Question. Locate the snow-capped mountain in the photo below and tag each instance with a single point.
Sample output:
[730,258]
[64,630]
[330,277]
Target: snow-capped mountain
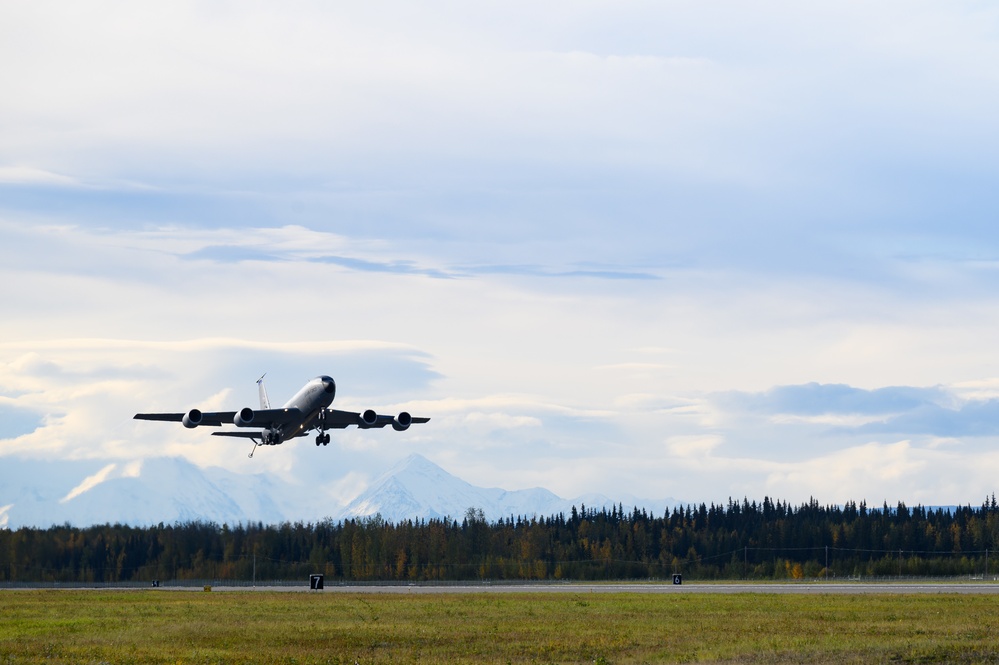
[417,488]
[139,493]
[171,489]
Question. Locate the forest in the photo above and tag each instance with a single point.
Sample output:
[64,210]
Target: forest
[734,541]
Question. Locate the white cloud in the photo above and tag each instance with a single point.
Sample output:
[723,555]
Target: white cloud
[89,483]
[25,175]
[348,487]
[873,471]
[463,351]
[692,446]
[489,421]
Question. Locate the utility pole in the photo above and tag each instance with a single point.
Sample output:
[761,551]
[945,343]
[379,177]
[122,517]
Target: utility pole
[826,569]
[254,570]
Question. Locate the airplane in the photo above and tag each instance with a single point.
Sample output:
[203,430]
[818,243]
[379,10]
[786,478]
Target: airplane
[308,410]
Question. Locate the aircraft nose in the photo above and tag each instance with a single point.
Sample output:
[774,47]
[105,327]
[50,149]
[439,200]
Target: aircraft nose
[329,385]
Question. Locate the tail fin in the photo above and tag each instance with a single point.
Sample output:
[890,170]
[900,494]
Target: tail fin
[264,402]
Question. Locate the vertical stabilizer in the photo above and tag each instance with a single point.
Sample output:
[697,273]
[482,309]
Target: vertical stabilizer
[264,402]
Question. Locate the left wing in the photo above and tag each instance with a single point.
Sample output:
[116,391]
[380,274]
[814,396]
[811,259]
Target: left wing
[335,419]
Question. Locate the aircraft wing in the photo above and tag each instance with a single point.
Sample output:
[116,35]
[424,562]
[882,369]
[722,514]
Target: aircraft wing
[211,419]
[336,419]
[341,419]
[263,418]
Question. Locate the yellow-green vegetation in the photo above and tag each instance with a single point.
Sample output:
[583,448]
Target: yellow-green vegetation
[281,627]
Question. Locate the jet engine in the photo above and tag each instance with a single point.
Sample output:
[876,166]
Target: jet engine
[191,419]
[243,417]
[402,422]
[368,419]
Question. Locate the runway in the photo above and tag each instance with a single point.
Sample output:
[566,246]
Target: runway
[686,588]
[784,588]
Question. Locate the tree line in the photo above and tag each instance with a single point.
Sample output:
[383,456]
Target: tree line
[737,540]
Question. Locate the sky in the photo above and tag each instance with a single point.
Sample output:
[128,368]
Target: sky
[661,249]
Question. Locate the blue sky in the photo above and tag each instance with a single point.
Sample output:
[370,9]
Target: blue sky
[679,249]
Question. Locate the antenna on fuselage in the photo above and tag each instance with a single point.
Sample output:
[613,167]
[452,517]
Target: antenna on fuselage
[265,403]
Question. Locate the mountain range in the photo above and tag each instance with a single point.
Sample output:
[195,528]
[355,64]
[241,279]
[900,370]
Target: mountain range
[166,490]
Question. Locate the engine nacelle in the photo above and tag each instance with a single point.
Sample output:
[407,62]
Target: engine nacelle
[368,419]
[192,419]
[402,422]
[243,417]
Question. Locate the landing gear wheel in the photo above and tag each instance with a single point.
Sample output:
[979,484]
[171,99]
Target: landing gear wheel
[319,439]
[326,438]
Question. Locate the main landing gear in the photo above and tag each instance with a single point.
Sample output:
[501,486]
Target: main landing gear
[322,438]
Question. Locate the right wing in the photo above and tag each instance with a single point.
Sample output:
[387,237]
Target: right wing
[262,418]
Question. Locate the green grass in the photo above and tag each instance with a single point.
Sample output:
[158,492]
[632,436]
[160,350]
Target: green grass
[281,627]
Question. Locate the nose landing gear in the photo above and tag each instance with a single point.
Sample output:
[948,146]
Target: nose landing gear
[322,438]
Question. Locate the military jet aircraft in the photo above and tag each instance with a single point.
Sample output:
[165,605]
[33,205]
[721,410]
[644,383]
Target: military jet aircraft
[307,410]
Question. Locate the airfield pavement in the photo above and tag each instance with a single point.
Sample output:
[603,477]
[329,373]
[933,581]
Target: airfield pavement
[722,588]
[841,588]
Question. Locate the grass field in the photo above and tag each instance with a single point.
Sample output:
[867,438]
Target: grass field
[196,627]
